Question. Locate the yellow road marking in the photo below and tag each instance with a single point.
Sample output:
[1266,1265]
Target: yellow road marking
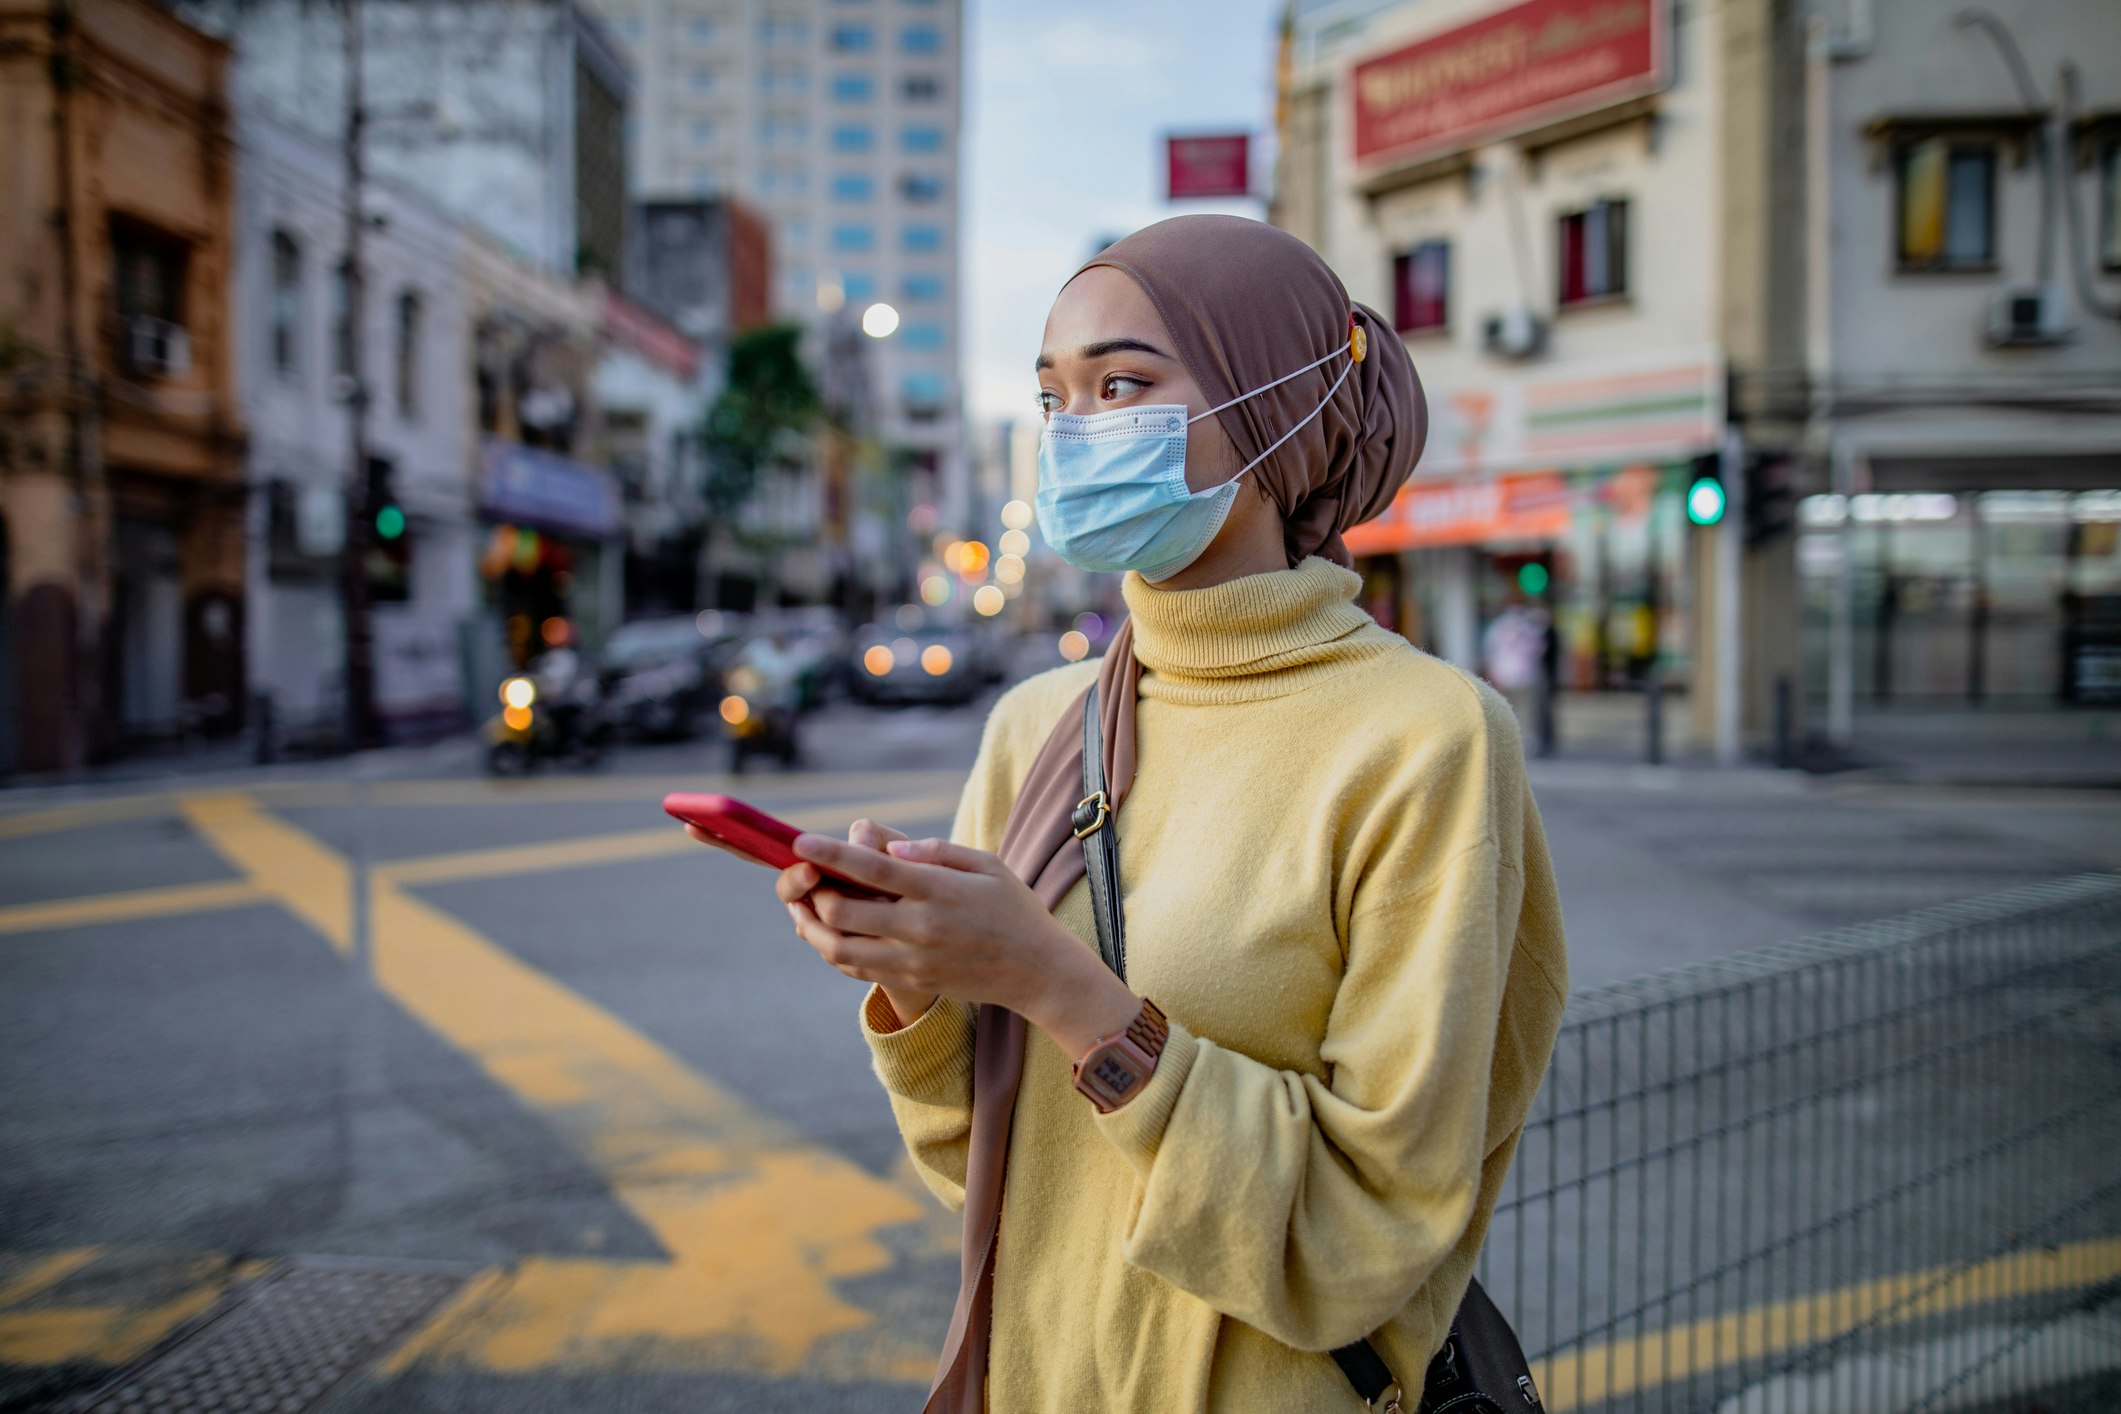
[128,905]
[326,903]
[1575,1379]
[758,1224]
[74,817]
[112,1335]
[45,1271]
[308,879]
[632,844]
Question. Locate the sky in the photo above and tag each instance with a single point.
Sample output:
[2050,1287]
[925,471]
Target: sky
[1068,103]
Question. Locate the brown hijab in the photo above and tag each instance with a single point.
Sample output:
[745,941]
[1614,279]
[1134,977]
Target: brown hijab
[1246,304]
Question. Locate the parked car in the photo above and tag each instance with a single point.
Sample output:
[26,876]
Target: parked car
[926,665]
[661,677]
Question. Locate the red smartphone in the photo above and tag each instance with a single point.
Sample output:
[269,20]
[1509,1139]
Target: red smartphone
[753,833]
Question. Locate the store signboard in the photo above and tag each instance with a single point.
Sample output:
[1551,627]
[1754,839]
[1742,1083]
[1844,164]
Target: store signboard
[1469,511]
[1214,165]
[1653,407]
[544,490]
[1533,63]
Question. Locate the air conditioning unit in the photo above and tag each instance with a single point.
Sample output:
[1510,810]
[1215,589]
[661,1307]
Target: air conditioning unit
[156,348]
[1515,333]
[2028,316]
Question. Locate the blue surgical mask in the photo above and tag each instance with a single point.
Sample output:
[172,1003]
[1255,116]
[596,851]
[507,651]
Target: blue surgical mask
[1112,491]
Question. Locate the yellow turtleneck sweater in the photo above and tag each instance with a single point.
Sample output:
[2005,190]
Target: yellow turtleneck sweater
[1337,890]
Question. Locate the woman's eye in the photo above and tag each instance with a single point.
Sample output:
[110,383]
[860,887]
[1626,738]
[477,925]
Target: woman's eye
[1119,385]
[1048,403]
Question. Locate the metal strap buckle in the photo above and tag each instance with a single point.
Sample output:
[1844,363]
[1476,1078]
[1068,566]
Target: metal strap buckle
[1391,1395]
[1104,812]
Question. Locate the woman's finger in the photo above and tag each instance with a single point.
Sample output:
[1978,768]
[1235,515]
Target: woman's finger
[948,855]
[873,917]
[850,953]
[870,835]
[796,881]
[865,866]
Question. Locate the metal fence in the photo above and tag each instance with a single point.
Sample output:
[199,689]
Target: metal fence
[1877,1170]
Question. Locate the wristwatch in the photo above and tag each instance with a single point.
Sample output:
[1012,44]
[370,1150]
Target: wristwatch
[1117,1066]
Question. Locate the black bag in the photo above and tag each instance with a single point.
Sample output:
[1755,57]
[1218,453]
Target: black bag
[1481,1368]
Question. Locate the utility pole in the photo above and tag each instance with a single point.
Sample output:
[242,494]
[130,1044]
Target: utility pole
[360,657]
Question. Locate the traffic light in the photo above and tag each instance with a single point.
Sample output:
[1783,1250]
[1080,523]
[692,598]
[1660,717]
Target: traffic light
[1705,498]
[1770,499]
[389,559]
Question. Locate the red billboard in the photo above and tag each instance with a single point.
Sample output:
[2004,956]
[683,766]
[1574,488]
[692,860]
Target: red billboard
[1515,69]
[1219,165]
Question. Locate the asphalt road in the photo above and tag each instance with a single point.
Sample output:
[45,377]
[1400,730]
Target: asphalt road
[389,1010]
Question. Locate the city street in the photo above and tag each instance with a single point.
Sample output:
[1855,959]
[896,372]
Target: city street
[581,1064]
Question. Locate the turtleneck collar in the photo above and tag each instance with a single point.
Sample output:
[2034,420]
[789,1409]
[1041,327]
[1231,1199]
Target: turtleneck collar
[1262,635]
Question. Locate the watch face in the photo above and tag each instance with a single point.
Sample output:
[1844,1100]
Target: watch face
[1114,1074]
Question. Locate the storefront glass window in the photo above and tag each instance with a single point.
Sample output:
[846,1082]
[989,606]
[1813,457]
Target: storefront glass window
[1947,200]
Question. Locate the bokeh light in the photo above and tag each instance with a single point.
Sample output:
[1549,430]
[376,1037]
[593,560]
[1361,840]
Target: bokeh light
[519,692]
[735,710]
[879,321]
[1009,569]
[1091,625]
[1014,542]
[1074,647]
[1017,515]
[708,622]
[878,660]
[908,617]
[935,590]
[935,660]
[988,600]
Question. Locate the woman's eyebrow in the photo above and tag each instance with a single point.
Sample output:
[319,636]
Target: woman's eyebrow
[1100,349]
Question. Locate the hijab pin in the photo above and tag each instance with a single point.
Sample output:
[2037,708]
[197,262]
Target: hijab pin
[1358,342]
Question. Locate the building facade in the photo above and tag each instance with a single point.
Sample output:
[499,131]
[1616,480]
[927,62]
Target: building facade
[291,337]
[121,471]
[1529,196]
[1960,540]
[840,123]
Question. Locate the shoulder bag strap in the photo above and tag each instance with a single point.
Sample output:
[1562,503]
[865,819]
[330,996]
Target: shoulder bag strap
[1093,824]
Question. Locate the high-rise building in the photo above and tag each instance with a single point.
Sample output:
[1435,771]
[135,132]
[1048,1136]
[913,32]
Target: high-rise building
[837,119]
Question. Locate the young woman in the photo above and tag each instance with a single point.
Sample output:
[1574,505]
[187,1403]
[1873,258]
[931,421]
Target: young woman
[1335,888]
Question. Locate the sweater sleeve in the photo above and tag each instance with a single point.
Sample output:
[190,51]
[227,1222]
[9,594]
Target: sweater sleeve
[1316,1208]
[926,1067]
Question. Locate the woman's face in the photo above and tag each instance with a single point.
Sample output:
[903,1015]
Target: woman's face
[1107,349]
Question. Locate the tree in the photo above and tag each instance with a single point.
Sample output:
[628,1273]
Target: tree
[768,397]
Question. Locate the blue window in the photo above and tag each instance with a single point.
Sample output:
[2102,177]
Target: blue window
[924,391]
[923,238]
[923,338]
[857,287]
[922,288]
[701,31]
[702,80]
[853,39]
[853,137]
[853,88]
[921,138]
[921,186]
[853,238]
[853,186]
[921,39]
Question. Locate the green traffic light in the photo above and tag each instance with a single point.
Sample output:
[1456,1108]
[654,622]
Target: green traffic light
[1532,577]
[390,522]
[1704,501]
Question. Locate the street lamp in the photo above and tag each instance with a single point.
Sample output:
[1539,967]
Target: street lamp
[879,320]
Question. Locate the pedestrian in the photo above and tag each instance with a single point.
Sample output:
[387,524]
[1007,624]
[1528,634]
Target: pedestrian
[1334,885]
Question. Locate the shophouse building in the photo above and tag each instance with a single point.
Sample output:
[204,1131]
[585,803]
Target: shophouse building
[1850,263]
[121,461]
[841,124]
[292,333]
[1960,540]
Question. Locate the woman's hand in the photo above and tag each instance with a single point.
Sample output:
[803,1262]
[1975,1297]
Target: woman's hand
[798,881]
[959,924]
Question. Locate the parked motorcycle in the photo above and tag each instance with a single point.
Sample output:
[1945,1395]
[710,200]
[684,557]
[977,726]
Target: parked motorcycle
[758,719]
[553,713]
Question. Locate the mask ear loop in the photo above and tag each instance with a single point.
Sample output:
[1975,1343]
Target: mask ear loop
[1299,426]
[1267,387]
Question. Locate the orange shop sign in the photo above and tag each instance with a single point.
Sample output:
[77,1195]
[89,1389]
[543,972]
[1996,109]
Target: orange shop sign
[1532,63]
[1468,511]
